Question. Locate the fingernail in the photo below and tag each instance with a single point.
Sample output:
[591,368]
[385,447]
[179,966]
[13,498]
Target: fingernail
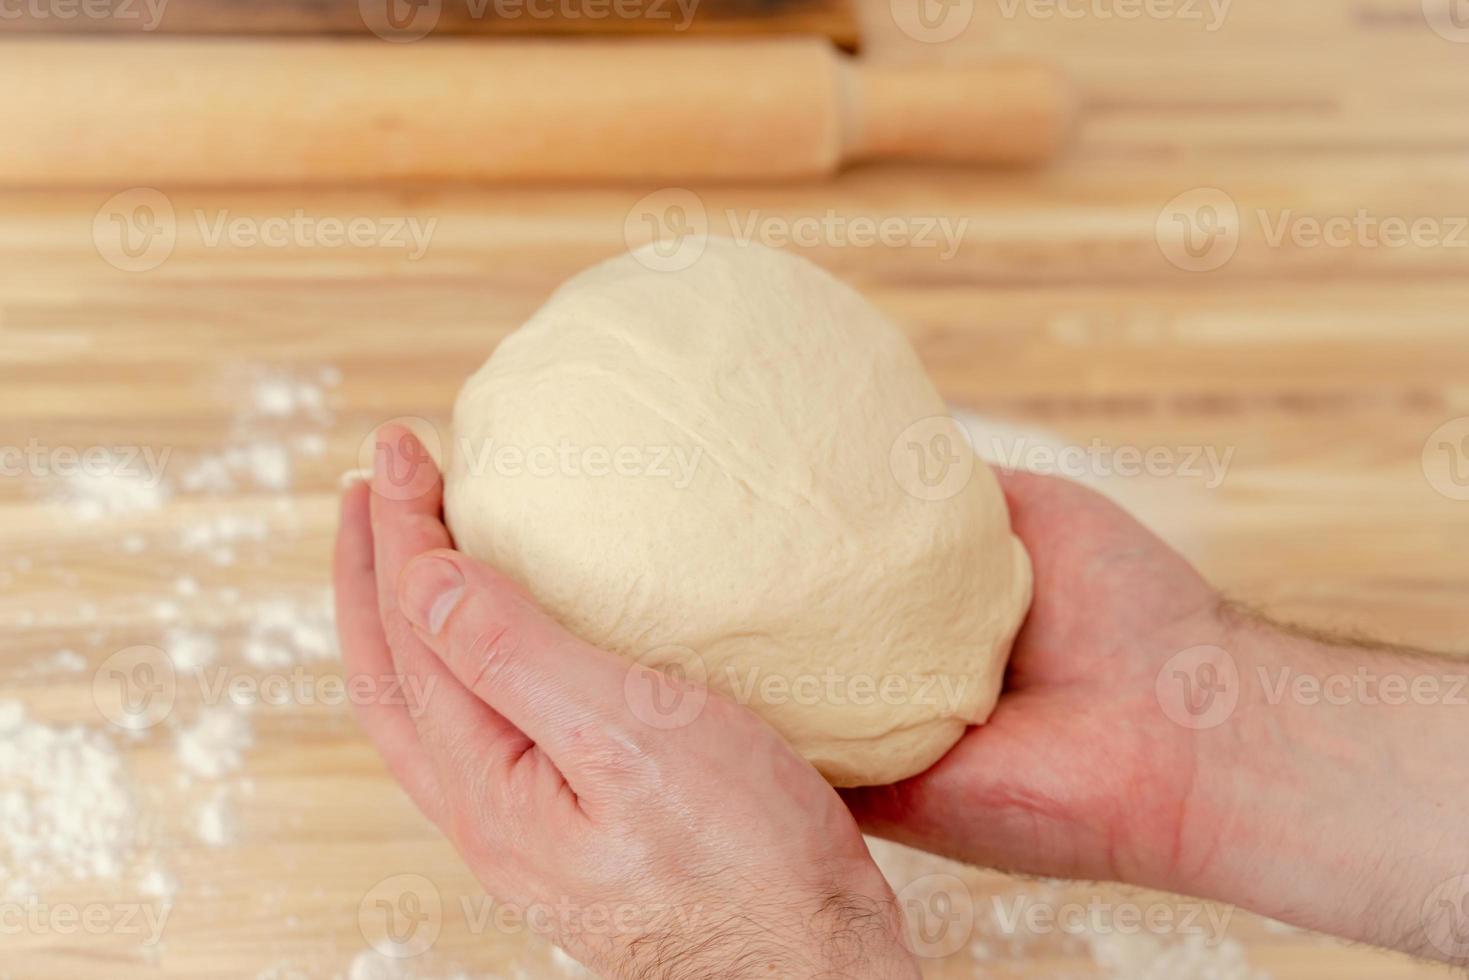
[430,590]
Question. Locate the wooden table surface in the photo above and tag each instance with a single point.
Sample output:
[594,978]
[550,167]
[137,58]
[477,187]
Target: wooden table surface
[1072,309]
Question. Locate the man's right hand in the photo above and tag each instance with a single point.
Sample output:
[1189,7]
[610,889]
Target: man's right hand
[1153,734]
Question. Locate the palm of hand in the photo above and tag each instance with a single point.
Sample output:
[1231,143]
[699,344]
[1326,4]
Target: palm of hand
[1078,773]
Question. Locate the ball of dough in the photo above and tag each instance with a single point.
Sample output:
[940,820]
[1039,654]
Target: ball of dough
[741,467]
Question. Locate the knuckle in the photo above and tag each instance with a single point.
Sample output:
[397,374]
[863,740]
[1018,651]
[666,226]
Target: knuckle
[628,761]
[428,524]
[609,763]
[492,647]
[398,632]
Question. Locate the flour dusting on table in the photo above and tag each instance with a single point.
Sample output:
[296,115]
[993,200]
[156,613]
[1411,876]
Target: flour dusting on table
[66,808]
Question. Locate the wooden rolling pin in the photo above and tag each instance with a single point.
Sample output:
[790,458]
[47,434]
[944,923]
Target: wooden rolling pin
[833,19]
[175,111]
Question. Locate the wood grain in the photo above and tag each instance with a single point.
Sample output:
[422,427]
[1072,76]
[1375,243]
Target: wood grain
[1324,369]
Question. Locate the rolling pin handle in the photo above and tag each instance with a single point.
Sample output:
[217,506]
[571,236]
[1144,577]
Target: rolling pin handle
[1002,113]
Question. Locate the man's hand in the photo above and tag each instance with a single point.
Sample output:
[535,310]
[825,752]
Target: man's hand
[1152,734]
[705,848]
[1078,773]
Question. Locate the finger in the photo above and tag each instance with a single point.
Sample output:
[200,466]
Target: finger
[460,730]
[562,692]
[369,663]
[1024,490]
[1003,777]
[1043,507]
[407,496]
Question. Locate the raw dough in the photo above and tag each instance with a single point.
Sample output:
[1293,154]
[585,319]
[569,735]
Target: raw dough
[742,467]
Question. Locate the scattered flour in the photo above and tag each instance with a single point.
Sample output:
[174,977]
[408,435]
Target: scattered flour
[214,746]
[284,632]
[369,964]
[65,661]
[1280,928]
[190,649]
[566,966]
[279,396]
[372,965]
[214,822]
[1141,956]
[282,395]
[114,491]
[223,531]
[310,444]
[1119,955]
[263,452]
[267,465]
[270,465]
[158,883]
[66,812]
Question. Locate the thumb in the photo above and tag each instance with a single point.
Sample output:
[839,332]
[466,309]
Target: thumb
[501,645]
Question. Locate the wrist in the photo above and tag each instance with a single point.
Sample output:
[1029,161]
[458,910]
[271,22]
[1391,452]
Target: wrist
[855,932]
[837,935]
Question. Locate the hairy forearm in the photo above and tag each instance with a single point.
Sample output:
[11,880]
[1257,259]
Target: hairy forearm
[1331,796]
